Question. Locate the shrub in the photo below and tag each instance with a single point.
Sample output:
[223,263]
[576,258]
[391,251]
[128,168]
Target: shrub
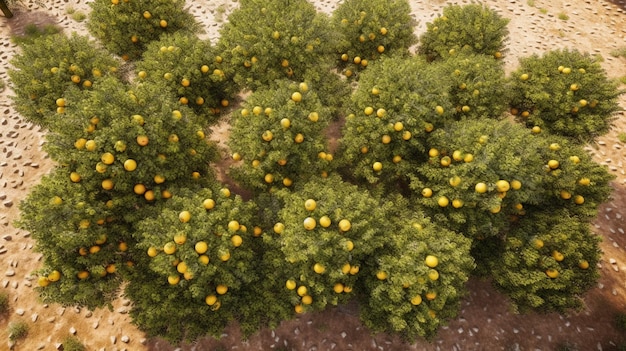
[72,343]
[548,262]
[278,136]
[18,330]
[203,83]
[4,303]
[270,40]
[200,271]
[564,92]
[398,102]
[48,66]
[126,27]
[473,28]
[371,29]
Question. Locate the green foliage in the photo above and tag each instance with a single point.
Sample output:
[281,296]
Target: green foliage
[203,82]
[125,27]
[279,136]
[72,343]
[548,262]
[478,85]
[184,299]
[565,92]
[620,321]
[48,66]
[619,52]
[397,104]
[563,16]
[287,39]
[18,330]
[513,166]
[406,292]
[370,29]
[622,137]
[326,245]
[473,28]
[32,32]
[4,303]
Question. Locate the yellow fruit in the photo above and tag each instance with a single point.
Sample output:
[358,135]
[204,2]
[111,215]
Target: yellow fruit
[269,178]
[398,126]
[139,189]
[208,204]
[377,166]
[481,188]
[344,225]
[338,288]
[75,177]
[130,165]
[553,164]
[163,23]
[433,152]
[406,135]
[502,186]
[204,259]
[54,276]
[443,201]
[524,76]
[349,245]
[299,309]
[310,205]
[455,181]
[201,247]
[439,110]
[173,279]
[184,216]
[381,275]
[302,290]
[169,248]
[279,228]
[565,195]
[159,179]
[210,300]
[354,270]
[221,289]
[290,284]
[538,243]
[368,110]
[318,268]
[225,256]
[307,299]
[107,184]
[267,135]
[583,264]
[431,295]
[236,240]
[296,96]
[43,281]
[82,275]
[180,238]
[457,203]
[584,181]
[416,300]
[386,139]
[325,221]
[233,226]
[516,184]
[579,199]
[557,256]
[80,143]
[427,192]
[552,273]
[431,261]
[309,223]
[433,274]
[285,123]
[152,251]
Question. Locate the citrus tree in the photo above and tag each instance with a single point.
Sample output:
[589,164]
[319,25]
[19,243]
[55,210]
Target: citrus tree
[414,283]
[125,27]
[371,29]
[478,85]
[398,102]
[48,66]
[564,92]
[277,137]
[547,262]
[203,82]
[482,176]
[288,38]
[201,258]
[471,28]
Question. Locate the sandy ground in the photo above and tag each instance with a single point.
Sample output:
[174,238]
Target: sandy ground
[484,322]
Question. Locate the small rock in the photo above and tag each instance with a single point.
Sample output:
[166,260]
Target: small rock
[19,311]
[8,203]
[7,237]
[125,339]
[51,319]
[73,331]
[612,261]
[34,317]
[10,273]
[113,339]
